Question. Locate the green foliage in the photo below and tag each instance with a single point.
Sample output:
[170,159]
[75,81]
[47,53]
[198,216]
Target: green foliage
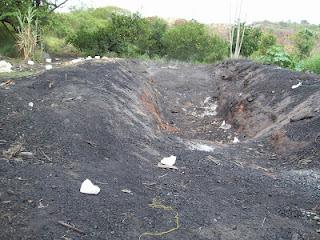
[304,43]
[125,35]
[58,47]
[62,24]
[267,41]
[28,33]
[191,42]
[251,40]
[311,64]
[7,43]
[276,55]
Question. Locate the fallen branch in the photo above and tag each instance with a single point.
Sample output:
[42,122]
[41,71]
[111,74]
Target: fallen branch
[46,156]
[71,227]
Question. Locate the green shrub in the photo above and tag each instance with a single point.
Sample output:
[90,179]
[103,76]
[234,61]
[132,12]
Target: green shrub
[125,35]
[251,40]
[311,64]
[267,41]
[191,42]
[91,42]
[58,47]
[276,55]
[218,50]
[304,42]
[7,43]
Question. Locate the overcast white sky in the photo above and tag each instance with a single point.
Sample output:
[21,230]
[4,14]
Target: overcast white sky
[217,11]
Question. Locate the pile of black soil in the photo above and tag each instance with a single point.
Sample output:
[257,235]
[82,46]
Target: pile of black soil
[247,147]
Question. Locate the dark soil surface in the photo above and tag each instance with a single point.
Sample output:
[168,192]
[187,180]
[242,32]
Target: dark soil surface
[113,121]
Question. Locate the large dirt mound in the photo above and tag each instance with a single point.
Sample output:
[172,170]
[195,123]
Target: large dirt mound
[112,122]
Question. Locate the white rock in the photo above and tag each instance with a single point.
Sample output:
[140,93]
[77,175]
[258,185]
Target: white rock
[30,62]
[48,60]
[297,85]
[169,161]
[89,58]
[48,67]
[225,126]
[5,67]
[97,57]
[88,187]
[30,104]
[236,140]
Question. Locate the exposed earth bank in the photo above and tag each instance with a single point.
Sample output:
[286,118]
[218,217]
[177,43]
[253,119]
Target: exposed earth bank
[246,137]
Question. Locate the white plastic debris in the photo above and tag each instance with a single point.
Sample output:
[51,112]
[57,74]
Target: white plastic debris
[48,60]
[200,147]
[30,104]
[48,67]
[30,62]
[88,187]
[5,67]
[126,191]
[77,60]
[225,125]
[88,58]
[236,140]
[169,161]
[97,57]
[26,154]
[297,85]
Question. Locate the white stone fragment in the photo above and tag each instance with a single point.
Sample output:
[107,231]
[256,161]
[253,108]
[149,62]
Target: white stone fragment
[87,187]
[169,161]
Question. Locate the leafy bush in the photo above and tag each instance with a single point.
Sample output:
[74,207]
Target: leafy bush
[311,64]
[91,42]
[304,43]
[267,41]
[276,55]
[7,43]
[251,40]
[125,35]
[191,42]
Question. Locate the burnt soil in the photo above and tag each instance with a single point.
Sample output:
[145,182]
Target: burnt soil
[113,121]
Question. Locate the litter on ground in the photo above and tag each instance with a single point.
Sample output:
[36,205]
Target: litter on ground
[48,67]
[235,140]
[170,161]
[5,67]
[225,125]
[297,85]
[87,187]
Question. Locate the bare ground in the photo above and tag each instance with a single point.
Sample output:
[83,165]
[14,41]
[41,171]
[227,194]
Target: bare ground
[112,122]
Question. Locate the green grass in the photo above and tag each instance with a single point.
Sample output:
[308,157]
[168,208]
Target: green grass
[311,64]
[13,75]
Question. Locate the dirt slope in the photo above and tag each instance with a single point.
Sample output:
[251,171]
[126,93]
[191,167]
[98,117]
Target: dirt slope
[112,122]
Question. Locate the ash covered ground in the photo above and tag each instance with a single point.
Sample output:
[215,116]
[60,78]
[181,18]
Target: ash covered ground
[254,177]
